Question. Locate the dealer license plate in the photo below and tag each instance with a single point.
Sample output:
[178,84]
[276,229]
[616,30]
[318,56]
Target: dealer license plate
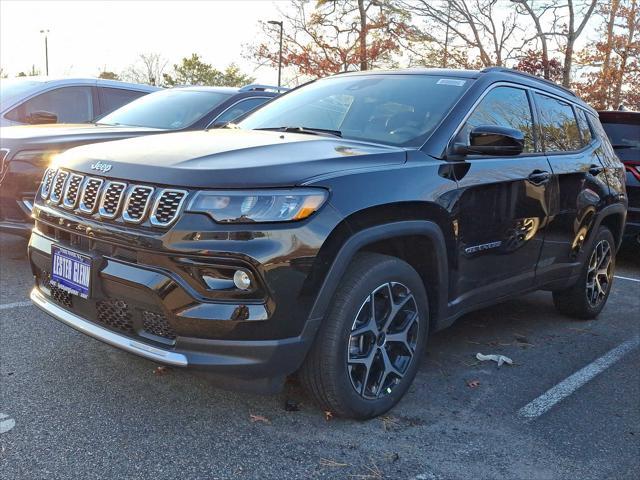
[71,271]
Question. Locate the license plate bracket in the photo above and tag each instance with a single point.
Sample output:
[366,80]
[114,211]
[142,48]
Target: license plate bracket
[71,271]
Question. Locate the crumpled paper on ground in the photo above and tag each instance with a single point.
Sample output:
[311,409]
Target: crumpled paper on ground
[500,359]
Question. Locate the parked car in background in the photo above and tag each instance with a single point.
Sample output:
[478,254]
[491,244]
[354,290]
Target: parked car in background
[26,151]
[334,229]
[623,129]
[36,100]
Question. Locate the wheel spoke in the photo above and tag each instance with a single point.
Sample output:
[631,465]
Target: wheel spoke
[402,336]
[389,369]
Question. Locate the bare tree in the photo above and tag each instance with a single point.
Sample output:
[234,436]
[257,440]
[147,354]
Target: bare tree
[570,32]
[148,68]
[526,7]
[470,22]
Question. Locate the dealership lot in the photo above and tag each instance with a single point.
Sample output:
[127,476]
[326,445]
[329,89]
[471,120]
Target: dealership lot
[71,407]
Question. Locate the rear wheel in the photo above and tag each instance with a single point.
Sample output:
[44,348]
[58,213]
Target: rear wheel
[588,296]
[368,349]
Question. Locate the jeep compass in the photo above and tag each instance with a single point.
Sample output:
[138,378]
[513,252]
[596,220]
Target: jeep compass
[332,231]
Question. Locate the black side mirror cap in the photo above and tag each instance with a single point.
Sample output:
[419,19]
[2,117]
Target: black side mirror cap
[492,140]
[42,117]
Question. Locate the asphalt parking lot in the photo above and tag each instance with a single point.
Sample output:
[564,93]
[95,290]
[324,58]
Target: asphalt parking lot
[569,407]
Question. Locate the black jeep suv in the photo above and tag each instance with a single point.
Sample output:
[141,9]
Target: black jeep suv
[331,231]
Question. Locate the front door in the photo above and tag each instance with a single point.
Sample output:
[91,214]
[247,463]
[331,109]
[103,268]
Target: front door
[501,210]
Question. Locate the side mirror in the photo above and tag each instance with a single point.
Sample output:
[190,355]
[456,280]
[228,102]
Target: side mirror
[492,140]
[41,117]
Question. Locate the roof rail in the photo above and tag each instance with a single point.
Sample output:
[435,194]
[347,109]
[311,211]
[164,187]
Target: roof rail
[528,75]
[257,86]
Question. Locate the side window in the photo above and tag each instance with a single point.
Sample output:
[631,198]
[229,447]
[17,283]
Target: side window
[558,126]
[583,124]
[505,107]
[70,104]
[240,108]
[114,98]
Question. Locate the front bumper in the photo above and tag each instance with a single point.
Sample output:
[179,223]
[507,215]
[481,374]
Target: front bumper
[180,341]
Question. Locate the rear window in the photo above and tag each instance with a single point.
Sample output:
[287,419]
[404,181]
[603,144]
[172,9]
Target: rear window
[623,134]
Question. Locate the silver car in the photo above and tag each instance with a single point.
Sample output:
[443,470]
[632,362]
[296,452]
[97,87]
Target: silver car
[37,100]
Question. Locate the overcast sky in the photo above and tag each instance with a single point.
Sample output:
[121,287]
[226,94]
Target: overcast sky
[88,36]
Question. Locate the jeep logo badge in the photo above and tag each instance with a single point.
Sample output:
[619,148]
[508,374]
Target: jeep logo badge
[102,167]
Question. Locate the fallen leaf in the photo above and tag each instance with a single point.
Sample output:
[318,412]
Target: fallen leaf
[161,370]
[328,415]
[473,383]
[259,418]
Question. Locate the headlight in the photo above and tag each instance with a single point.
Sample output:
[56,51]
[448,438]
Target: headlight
[38,157]
[259,205]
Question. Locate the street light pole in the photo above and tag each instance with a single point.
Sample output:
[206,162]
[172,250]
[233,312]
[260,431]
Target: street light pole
[279,23]
[46,51]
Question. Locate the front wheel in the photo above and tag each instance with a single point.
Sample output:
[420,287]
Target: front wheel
[588,296]
[368,349]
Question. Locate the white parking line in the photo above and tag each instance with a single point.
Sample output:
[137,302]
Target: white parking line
[626,278]
[7,306]
[565,388]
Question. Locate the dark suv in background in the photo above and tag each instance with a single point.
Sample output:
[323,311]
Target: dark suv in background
[623,129]
[332,230]
[25,152]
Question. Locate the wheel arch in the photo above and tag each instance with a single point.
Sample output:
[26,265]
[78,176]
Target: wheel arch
[394,230]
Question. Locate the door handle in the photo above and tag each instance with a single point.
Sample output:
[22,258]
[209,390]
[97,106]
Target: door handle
[539,177]
[595,169]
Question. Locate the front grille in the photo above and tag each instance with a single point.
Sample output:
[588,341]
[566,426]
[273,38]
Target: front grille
[61,296]
[111,199]
[167,206]
[115,314]
[58,186]
[47,179]
[137,203]
[70,198]
[89,198]
[156,324]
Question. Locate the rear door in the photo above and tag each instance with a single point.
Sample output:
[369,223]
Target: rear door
[578,188]
[502,207]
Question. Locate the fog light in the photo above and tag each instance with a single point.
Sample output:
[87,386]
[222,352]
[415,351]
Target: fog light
[241,280]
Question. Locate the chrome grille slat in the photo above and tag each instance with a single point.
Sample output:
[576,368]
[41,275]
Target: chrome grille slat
[47,180]
[112,199]
[89,197]
[58,186]
[167,206]
[137,203]
[70,197]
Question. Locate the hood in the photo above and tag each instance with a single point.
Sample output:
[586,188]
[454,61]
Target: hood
[61,133]
[224,158]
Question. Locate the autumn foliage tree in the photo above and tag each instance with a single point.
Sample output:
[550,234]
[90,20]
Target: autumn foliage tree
[533,62]
[612,66]
[331,36]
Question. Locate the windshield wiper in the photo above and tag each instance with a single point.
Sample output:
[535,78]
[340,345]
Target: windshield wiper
[307,130]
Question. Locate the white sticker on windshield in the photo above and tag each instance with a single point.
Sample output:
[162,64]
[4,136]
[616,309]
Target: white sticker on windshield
[451,81]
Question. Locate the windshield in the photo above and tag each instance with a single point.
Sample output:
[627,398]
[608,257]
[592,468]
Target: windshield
[623,134]
[395,109]
[169,109]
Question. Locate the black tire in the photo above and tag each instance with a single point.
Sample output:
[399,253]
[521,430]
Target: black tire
[580,301]
[326,374]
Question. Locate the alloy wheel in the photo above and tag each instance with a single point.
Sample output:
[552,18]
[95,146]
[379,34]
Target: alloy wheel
[383,340]
[599,273]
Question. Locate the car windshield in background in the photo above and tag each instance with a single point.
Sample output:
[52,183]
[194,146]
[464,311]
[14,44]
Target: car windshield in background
[169,109]
[623,135]
[395,109]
